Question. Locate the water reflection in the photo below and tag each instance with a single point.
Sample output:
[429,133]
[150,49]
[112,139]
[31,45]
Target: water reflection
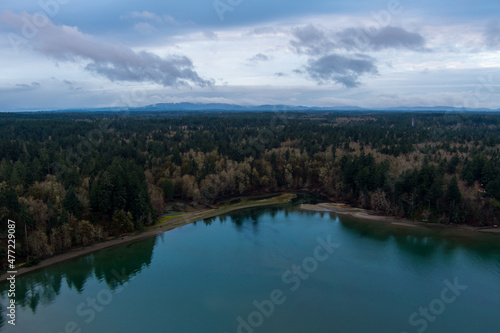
[116,270]
[115,266]
[421,244]
[367,245]
[252,216]
[425,243]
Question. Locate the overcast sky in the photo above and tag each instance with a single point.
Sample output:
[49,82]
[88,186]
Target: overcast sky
[369,53]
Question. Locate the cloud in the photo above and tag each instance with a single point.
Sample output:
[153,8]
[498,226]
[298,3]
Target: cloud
[210,35]
[492,34]
[148,17]
[145,15]
[310,40]
[144,27]
[280,74]
[326,67]
[340,69]
[378,39]
[455,99]
[71,85]
[259,57]
[170,19]
[33,85]
[314,41]
[115,62]
[267,30]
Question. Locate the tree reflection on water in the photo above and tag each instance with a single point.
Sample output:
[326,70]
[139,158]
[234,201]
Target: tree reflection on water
[116,266]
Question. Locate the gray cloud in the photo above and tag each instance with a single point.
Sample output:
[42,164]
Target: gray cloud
[210,35]
[492,34]
[116,62]
[267,30]
[346,69]
[71,85]
[259,57]
[310,40]
[313,41]
[378,39]
[340,69]
[280,74]
[33,85]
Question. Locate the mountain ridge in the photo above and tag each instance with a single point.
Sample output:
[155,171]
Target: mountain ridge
[225,107]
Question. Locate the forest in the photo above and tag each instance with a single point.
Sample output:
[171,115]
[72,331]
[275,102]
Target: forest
[73,179]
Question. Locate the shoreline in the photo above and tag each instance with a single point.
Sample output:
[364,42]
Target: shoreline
[188,218]
[168,225]
[365,214]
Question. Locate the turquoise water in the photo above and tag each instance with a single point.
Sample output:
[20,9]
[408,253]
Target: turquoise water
[271,270]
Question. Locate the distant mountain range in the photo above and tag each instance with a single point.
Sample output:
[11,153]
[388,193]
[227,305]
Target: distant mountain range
[280,107]
[185,106]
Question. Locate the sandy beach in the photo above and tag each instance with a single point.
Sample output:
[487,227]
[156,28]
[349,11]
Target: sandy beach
[169,224]
[341,208]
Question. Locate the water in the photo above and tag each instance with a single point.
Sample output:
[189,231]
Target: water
[235,273]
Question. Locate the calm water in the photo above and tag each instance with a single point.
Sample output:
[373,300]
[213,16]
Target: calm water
[271,270]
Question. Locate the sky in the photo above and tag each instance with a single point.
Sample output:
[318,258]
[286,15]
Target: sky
[58,54]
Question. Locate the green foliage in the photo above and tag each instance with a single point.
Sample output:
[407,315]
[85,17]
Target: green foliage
[9,199]
[122,186]
[18,174]
[32,261]
[122,222]
[493,188]
[362,173]
[116,163]
[453,194]
[168,188]
[71,202]
[5,170]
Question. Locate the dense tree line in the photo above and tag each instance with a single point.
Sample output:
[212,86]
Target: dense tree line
[75,178]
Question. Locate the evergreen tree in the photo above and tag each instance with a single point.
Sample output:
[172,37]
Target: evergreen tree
[5,170]
[17,176]
[168,188]
[453,194]
[71,203]
[176,157]
[122,221]
[9,200]
[493,188]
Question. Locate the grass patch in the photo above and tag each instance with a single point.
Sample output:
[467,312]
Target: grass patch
[280,199]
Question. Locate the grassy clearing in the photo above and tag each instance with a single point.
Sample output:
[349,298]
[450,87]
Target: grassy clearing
[185,218]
